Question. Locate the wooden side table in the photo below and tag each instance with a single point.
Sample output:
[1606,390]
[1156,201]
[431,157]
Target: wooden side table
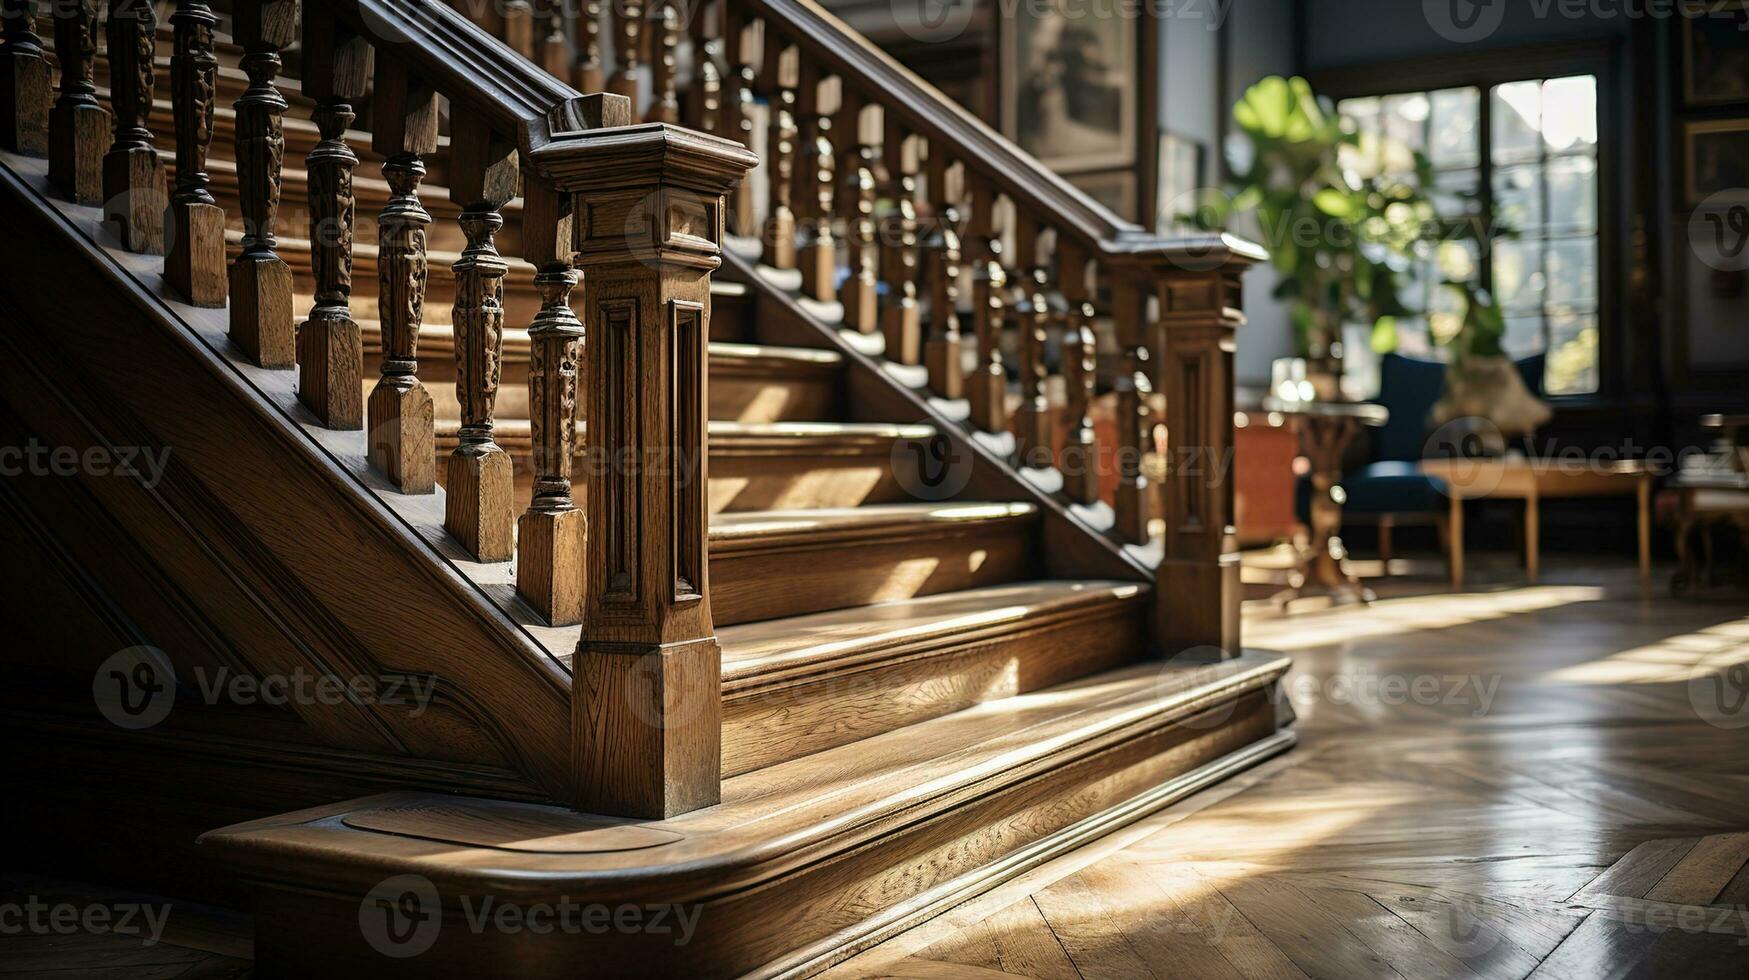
[1325,430]
[1532,480]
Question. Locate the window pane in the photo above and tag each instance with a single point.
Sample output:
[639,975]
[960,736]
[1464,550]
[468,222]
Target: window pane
[1518,276]
[1517,109]
[1573,275]
[1572,363]
[1405,119]
[1454,142]
[1524,336]
[1572,196]
[1570,114]
[1518,198]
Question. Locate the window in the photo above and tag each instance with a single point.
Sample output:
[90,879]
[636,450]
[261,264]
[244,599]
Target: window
[1531,151]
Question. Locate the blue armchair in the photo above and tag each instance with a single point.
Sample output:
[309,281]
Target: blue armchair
[1389,488]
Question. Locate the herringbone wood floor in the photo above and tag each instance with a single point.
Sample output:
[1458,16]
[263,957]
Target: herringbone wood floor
[1510,784]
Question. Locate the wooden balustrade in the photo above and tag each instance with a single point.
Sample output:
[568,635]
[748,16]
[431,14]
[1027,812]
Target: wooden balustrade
[942,353]
[586,39]
[816,179]
[1032,315]
[517,17]
[987,387]
[79,126]
[704,96]
[330,348]
[261,282]
[134,178]
[26,81]
[858,136]
[740,46]
[902,320]
[628,72]
[552,51]
[665,64]
[195,266]
[1078,459]
[780,80]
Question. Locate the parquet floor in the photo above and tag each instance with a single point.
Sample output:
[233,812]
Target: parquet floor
[1547,782]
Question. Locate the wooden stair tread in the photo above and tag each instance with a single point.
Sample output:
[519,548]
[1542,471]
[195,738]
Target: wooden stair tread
[786,816]
[788,648]
[850,524]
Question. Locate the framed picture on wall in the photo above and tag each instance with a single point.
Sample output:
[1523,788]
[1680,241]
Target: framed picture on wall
[1716,161]
[1069,84]
[1715,52]
[1115,190]
[1181,164]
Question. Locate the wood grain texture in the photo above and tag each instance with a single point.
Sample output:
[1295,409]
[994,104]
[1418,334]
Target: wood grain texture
[79,126]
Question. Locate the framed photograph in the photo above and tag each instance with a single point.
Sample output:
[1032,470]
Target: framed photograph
[1715,52]
[1117,191]
[1070,80]
[1182,174]
[1716,161]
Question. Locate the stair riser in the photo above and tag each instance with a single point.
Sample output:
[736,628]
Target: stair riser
[947,858]
[765,726]
[772,580]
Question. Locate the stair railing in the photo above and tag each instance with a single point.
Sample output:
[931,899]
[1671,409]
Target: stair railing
[640,207]
[947,234]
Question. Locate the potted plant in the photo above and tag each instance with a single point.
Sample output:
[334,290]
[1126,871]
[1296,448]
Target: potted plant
[1481,381]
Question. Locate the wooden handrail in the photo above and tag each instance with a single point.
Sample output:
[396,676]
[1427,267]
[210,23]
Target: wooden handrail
[839,49]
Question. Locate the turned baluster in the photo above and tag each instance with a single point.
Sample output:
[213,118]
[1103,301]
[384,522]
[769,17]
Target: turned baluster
[554,54]
[400,411]
[1134,436]
[78,126]
[1032,421]
[664,67]
[337,69]
[484,176]
[987,388]
[1200,312]
[704,99]
[858,136]
[782,78]
[817,251]
[628,16]
[1079,457]
[26,81]
[261,282]
[195,267]
[549,552]
[133,176]
[517,27]
[741,42]
[902,321]
[942,356]
[587,37]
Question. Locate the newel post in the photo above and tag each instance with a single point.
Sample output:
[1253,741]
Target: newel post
[1201,312]
[648,221]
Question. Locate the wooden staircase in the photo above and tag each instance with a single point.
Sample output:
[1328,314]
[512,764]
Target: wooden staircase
[872,699]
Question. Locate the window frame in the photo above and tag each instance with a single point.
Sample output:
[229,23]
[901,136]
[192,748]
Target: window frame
[1484,71]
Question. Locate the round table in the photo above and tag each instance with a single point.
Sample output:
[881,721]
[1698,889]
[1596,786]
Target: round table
[1325,430]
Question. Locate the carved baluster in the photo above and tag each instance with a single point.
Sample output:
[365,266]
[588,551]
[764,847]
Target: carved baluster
[817,251]
[517,28]
[1201,313]
[664,68]
[647,671]
[591,77]
[400,410]
[946,375]
[902,321]
[78,126]
[628,52]
[1032,422]
[337,69]
[261,282]
[549,552]
[704,99]
[554,55]
[741,42]
[195,267]
[1134,438]
[782,77]
[858,135]
[1079,458]
[988,386]
[133,176]
[484,176]
[27,82]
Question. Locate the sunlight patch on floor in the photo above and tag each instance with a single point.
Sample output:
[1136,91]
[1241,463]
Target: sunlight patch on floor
[1396,617]
[1674,660]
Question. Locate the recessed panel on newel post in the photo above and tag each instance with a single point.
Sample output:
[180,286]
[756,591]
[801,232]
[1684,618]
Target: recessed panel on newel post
[648,221]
